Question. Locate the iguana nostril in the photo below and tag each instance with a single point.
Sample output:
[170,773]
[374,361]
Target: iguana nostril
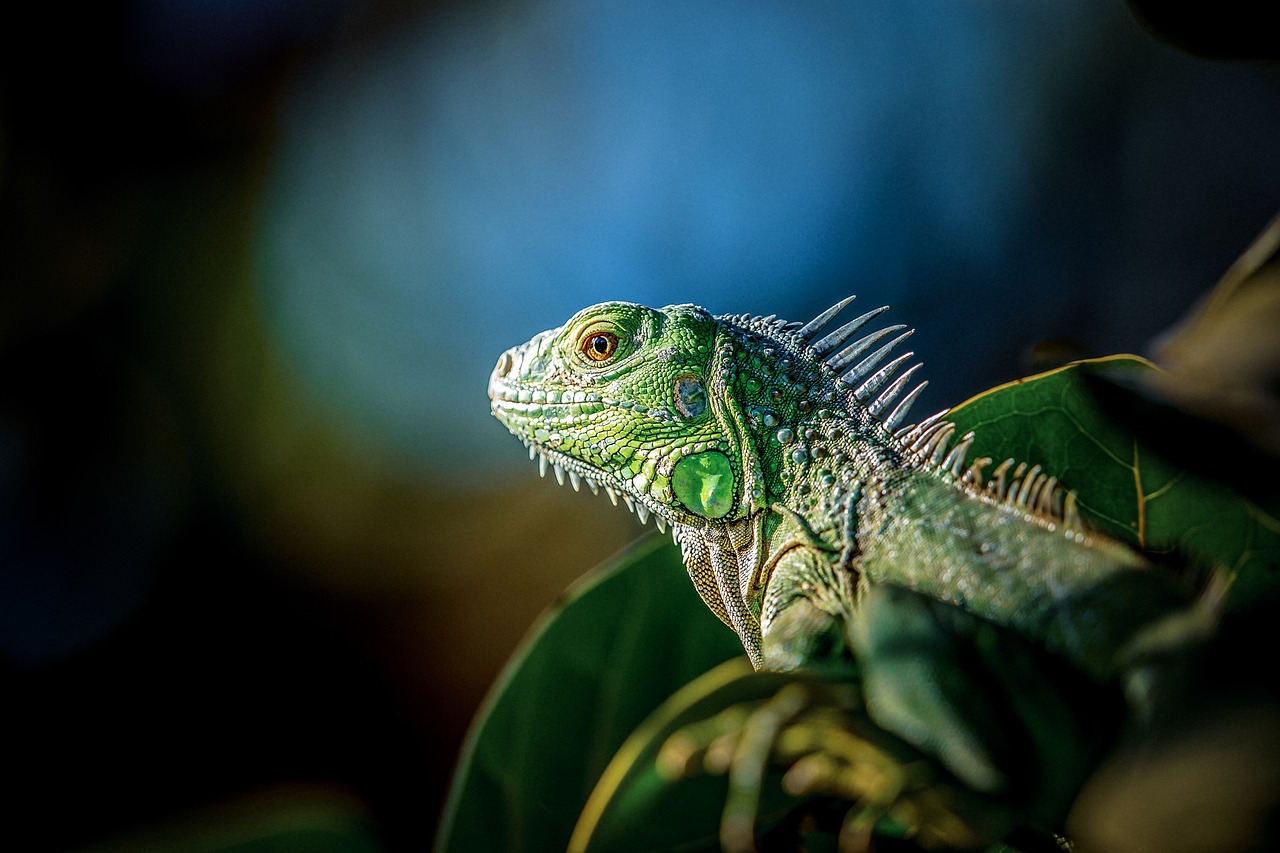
[504,365]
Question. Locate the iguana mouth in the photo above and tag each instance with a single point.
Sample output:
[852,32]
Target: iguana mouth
[532,414]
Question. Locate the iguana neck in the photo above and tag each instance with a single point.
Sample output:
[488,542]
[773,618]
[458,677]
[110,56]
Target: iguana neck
[800,432]
[803,451]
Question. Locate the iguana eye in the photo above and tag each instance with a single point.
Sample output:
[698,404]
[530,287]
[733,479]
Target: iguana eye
[600,346]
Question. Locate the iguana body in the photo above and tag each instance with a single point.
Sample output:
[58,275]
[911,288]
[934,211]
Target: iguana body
[777,453]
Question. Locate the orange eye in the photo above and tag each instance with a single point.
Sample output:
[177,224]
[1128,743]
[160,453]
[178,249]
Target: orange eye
[600,346]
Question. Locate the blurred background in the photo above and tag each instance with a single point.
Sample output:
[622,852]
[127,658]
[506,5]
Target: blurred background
[262,548]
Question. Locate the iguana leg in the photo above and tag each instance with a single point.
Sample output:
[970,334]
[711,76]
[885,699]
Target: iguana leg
[918,683]
[803,612]
[1006,718]
[917,677]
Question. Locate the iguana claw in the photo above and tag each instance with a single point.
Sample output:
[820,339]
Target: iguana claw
[819,734]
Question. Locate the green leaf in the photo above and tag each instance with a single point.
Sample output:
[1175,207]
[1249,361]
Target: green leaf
[1124,487]
[635,808]
[625,638]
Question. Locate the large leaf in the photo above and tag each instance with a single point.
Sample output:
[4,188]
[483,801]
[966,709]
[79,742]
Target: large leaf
[625,638]
[1124,486]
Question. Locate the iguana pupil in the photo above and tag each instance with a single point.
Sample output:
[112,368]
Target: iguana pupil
[601,346]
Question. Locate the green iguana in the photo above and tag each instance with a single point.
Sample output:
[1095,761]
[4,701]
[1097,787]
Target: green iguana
[822,527]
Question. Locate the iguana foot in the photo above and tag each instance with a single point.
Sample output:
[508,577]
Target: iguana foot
[819,735]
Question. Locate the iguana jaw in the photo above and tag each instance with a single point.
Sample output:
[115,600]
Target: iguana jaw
[577,473]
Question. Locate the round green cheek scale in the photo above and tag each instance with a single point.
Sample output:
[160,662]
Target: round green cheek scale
[703,482]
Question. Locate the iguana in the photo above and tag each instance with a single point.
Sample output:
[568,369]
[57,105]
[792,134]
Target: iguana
[821,526]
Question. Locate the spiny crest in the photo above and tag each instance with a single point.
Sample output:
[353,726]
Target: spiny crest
[1023,488]
[1027,490]
[860,363]
[859,366]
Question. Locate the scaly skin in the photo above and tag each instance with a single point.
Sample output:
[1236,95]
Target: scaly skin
[776,454]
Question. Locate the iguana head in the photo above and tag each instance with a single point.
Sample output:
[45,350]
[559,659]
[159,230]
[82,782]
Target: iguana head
[623,396]
[663,406]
